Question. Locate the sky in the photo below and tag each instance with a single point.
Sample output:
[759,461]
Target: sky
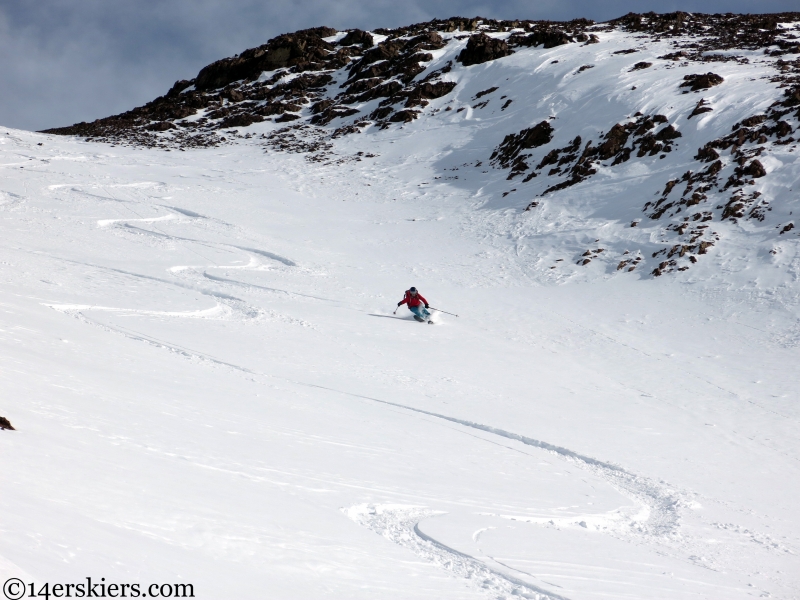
[65,61]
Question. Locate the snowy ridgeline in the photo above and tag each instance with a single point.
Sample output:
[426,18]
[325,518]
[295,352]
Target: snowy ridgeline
[673,136]
[208,384]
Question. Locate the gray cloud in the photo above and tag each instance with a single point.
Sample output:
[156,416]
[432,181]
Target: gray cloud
[65,61]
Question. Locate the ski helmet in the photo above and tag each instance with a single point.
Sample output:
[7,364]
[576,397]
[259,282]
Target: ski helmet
[413,290]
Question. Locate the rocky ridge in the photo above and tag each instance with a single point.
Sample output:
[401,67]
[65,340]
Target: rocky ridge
[316,85]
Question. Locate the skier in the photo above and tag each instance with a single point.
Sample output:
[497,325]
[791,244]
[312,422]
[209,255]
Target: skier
[413,299]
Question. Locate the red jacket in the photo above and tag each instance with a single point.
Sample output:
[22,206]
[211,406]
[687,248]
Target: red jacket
[413,300]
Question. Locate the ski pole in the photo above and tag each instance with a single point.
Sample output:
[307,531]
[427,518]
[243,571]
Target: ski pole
[443,311]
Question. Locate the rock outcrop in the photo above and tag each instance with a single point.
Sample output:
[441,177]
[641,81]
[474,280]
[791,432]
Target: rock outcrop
[481,48]
[300,92]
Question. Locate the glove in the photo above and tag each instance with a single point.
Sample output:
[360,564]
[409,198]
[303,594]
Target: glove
[426,306]
[399,304]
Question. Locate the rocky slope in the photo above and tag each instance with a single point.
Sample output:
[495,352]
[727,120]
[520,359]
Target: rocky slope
[680,125]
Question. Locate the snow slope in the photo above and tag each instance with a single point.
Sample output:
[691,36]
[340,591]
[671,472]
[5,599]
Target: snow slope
[209,385]
[669,139]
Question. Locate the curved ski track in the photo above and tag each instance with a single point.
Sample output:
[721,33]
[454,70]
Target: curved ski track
[398,523]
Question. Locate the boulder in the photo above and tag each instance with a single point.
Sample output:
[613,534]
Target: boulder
[404,116]
[615,140]
[549,38]
[481,48]
[641,65]
[285,50]
[513,144]
[701,82]
[178,87]
[356,36]
[161,126]
[241,120]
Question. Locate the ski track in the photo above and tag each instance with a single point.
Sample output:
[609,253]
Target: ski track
[660,505]
[262,287]
[264,253]
[217,311]
[243,307]
[107,222]
[400,524]
[185,212]
[662,502]
[656,522]
[658,519]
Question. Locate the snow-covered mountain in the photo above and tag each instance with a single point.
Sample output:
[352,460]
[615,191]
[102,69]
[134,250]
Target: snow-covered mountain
[681,126]
[209,385]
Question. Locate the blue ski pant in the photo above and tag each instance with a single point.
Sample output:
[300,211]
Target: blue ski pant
[420,311]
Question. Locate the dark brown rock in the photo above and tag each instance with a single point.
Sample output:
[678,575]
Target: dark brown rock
[269,110]
[382,91]
[549,38]
[783,128]
[362,85]
[615,140]
[680,55]
[5,424]
[513,144]
[755,169]
[331,113]
[160,126]
[384,51]
[381,113]
[751,121]
[668,133]
[404,116]
[427,41]
[704,246]
[481,48]
[320,106]
[429,91]
[356,36]
[282,51]
[648,144]
[706,154]
[668,188]
[178,87]
[701,82]
[700,108]
[241,120]
[734,208]
[485,92]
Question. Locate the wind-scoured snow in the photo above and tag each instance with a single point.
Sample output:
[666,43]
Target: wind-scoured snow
[209,385]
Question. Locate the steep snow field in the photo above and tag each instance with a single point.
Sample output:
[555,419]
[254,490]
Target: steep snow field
[209,386]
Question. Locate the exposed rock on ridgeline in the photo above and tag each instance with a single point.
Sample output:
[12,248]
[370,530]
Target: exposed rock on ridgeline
[481,48]
[262,84]
[356,36]
[302,91]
